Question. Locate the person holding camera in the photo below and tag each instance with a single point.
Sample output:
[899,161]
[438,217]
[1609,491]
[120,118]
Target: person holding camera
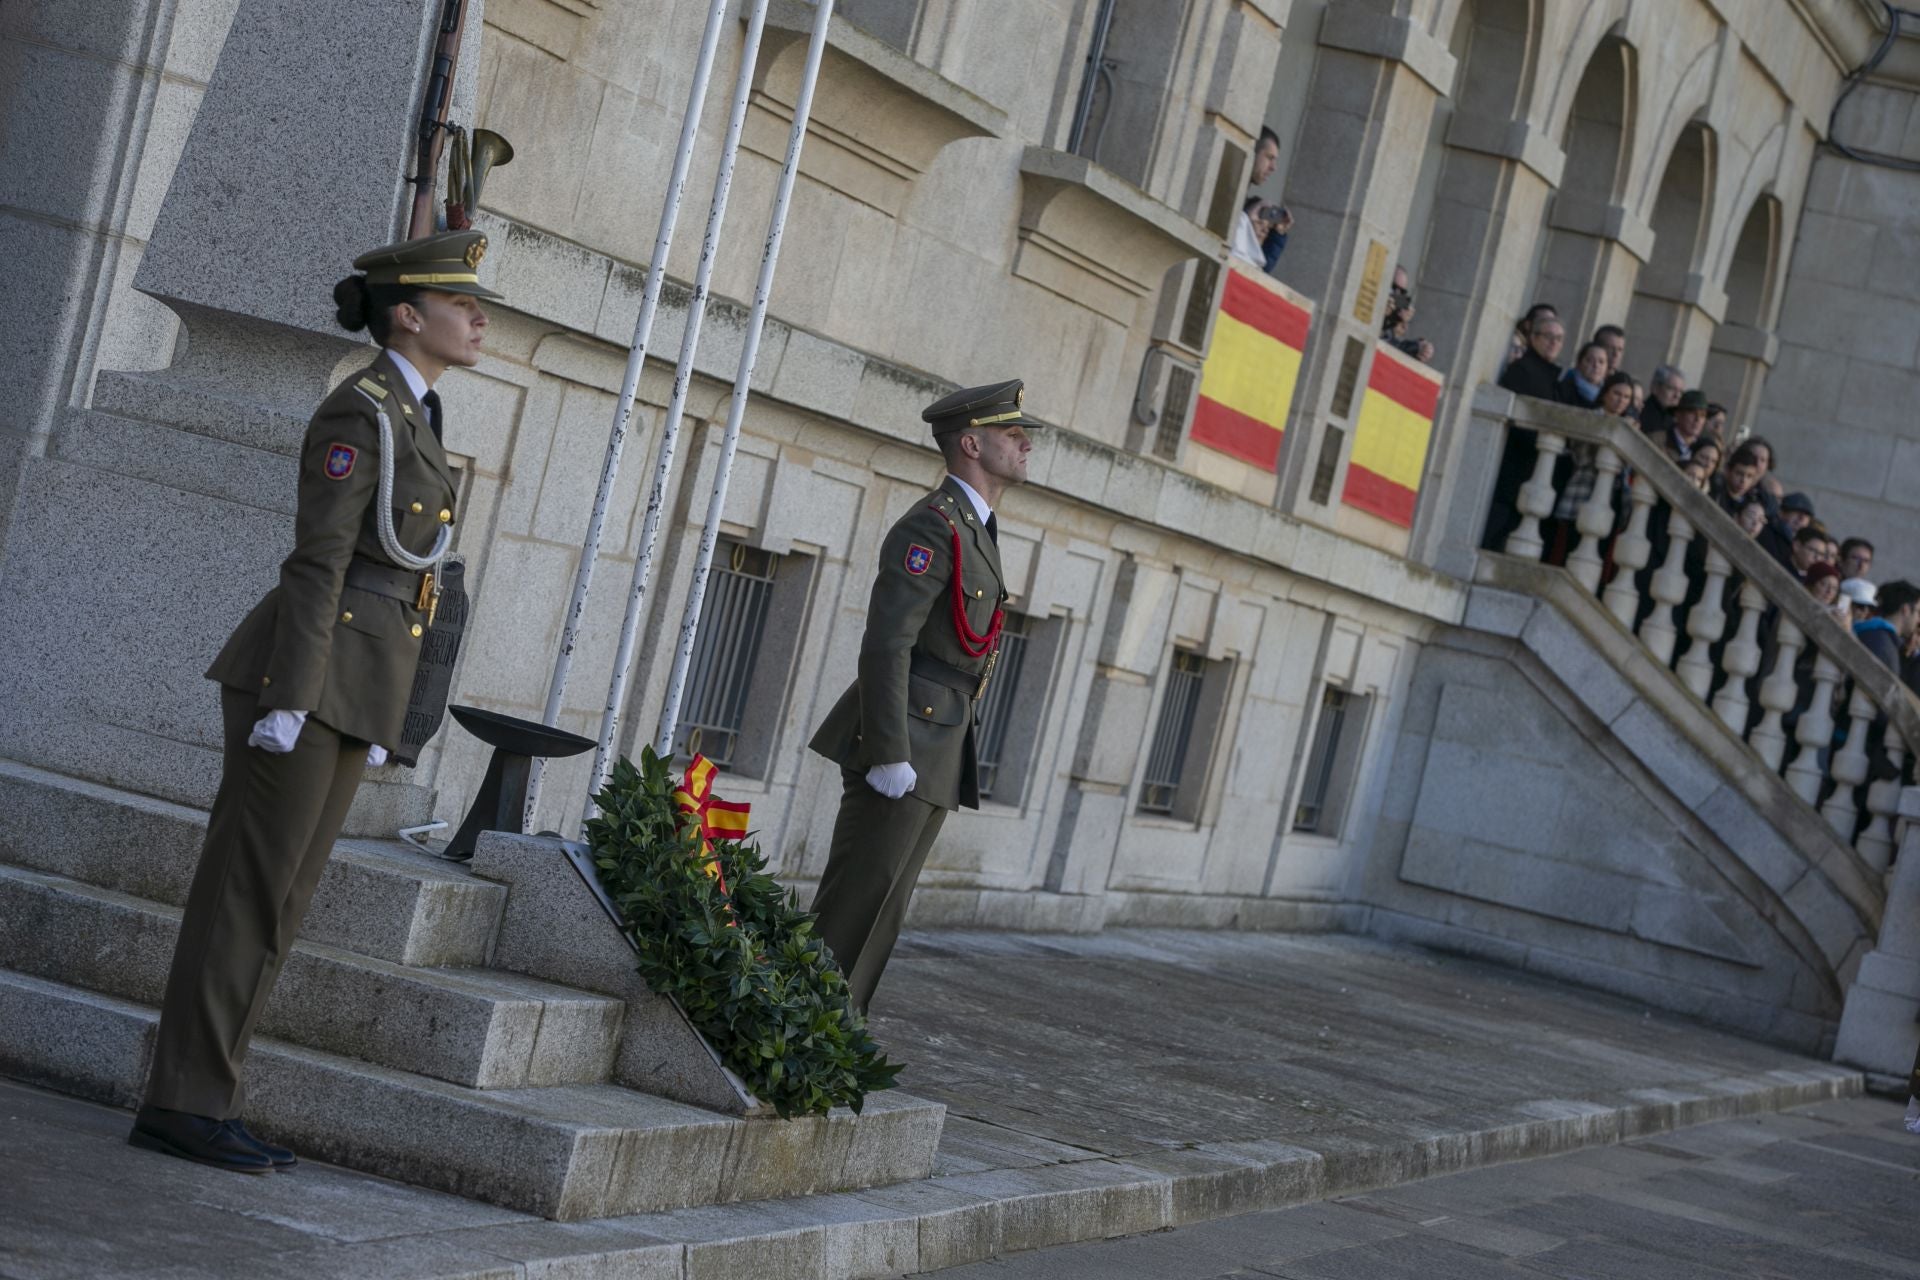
[1260,232]
[1399,317]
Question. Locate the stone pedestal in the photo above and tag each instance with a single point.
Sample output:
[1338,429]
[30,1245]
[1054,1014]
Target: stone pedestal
[153,520]
[299,157]
[1878,1027]
[555,927]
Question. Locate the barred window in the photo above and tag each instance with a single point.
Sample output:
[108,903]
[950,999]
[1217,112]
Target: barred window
[1331,761]
[1013,711]
[996,707]
[743,655]
[733,617]
[1173,732]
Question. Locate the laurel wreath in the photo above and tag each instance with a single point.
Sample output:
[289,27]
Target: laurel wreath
[744,962]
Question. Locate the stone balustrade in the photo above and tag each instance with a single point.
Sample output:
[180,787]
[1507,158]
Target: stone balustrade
[1734,626]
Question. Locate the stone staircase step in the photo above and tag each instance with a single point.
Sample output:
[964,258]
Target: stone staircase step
[582,1151]
[377,898]
[476,1027]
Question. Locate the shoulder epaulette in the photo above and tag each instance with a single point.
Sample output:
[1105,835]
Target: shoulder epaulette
[372,388]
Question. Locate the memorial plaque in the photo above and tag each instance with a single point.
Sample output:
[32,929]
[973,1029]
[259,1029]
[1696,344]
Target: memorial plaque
[1368,296]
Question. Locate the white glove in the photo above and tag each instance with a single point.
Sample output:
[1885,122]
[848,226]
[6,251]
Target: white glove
[892,780]
[376,756]
[277,731]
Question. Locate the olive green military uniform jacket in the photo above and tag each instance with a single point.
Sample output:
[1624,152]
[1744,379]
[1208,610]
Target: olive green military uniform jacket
[347,654]
[893,712]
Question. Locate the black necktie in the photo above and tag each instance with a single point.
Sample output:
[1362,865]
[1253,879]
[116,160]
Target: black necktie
[993,528]
[432,402]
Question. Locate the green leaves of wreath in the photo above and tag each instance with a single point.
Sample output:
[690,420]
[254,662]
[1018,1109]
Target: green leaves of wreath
[746,966]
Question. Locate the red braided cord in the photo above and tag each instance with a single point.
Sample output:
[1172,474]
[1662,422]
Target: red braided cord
[972,642]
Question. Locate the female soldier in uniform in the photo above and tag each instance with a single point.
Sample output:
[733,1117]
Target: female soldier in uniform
[315,682]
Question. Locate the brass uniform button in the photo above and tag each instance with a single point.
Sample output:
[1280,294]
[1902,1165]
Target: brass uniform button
[265,681]
[347,616]
[416,631]
[416,508]
[976,593]
[927,712]
[446,516]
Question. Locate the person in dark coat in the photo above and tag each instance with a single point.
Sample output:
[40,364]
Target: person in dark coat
[1585,378]
[1663,395]
[1680,430]
[1739,482]
[1534,374]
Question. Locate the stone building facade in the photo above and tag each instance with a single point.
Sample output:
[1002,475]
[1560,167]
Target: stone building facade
[1241,692]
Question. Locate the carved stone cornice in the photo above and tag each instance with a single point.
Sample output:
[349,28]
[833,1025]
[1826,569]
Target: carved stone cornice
[879,118]
[1096,239]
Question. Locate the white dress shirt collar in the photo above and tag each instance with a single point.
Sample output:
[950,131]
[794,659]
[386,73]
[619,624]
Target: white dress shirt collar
[980,507]
[415,383]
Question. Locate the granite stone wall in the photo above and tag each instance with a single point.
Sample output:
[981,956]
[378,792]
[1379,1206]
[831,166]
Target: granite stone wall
[1840,401]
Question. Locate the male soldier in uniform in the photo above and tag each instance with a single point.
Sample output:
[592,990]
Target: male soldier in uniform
[314,684]
[903,732]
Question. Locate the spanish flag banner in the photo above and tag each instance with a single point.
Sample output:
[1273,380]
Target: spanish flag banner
[714,818]
[1390,437]
[1246,385]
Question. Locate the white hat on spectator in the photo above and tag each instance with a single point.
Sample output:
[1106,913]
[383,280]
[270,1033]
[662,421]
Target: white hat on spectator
[1859,591]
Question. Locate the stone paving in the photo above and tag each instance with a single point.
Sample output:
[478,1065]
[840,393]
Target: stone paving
[1829,1192]
[1135,1040]
[1101,1085]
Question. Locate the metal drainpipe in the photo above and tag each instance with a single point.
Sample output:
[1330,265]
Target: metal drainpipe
[1096,53]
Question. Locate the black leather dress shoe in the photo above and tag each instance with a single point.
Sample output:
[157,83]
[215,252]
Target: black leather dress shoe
[197,1138]
[281,1157]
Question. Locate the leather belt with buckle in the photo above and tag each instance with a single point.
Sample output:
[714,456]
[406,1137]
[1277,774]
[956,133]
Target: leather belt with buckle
[419,591]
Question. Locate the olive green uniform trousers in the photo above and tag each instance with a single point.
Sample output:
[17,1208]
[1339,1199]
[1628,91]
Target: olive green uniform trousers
[273,824]
[879,846]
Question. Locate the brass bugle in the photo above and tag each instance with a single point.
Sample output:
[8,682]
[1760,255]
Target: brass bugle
[488,150]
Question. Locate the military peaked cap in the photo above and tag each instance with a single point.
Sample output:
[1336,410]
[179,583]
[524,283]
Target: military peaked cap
[448,261]
[1000,405]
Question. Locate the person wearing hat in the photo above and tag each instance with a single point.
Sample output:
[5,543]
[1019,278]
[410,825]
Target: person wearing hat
[1796,512]
[902,733]
[1684,426]
[314,683]
[1864,599]
[1823,584]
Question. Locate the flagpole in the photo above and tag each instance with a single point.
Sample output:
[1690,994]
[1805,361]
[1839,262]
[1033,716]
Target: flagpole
[629,388]
[743,377]
[657,497]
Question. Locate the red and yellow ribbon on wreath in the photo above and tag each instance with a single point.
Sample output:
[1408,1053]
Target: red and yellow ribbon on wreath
[716,819]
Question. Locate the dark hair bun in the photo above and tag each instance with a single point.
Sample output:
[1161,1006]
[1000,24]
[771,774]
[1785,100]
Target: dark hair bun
[353,302]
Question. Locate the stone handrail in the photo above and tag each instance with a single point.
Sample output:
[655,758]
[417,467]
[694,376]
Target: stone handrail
[1823,769]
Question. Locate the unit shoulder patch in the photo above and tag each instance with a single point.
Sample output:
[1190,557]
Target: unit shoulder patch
[919,559]
[340,459]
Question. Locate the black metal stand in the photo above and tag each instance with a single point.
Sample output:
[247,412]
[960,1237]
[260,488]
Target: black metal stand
[502,802]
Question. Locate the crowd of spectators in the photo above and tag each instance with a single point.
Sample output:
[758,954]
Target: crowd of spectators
[1259,237]
[1738,471]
